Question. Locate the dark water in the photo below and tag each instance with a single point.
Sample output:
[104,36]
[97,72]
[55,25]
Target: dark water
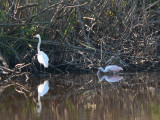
[83,97]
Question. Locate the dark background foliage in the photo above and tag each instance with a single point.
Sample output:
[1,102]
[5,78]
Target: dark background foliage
[82,34]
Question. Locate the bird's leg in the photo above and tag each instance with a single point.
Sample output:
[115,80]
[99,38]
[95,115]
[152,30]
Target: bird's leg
[40,68]
[44,69]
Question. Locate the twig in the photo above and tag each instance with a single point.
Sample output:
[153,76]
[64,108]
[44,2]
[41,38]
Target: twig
[153,4]
[16,54]
[81,24]
[30,17]
[3,60]
[24,24]
[9,10]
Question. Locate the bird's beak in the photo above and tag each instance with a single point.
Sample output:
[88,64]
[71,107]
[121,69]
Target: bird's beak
[35,36]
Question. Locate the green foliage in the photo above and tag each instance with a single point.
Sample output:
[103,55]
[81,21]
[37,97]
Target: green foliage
[40,5]
[72,20]
[125,3]
[2,19]
[29,30]
[9,51]
[71,108]
[1,30]
[2,16]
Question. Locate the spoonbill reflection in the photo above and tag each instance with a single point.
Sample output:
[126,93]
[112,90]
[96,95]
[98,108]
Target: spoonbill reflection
[110,79]
[42,57]
[42,90]
[110,68]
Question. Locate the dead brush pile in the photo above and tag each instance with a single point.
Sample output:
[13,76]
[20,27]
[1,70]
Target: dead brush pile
[81,34]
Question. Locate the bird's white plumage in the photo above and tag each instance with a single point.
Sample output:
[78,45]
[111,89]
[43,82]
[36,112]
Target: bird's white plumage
[42,57]
[113,68]
[114,78]
[110,68]
[43,88]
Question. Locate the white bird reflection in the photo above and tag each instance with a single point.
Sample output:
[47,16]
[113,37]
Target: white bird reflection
[110,79]
[42,90]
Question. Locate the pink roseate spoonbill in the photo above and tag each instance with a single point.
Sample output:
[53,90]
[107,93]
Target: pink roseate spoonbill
[110,68]
[42,57]
[110,79]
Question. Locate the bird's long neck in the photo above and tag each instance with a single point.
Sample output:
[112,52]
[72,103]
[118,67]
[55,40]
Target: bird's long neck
[103,70]
[100,69]
[39,100]
[38,46]
[39,108]
[103,77]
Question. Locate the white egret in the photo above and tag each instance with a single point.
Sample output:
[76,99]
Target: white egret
[42,90]
[42,57]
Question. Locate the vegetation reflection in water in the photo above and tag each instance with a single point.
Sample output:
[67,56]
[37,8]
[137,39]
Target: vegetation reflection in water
[136,96]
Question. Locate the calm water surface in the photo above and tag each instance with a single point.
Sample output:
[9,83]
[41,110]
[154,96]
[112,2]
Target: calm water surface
[133,96]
